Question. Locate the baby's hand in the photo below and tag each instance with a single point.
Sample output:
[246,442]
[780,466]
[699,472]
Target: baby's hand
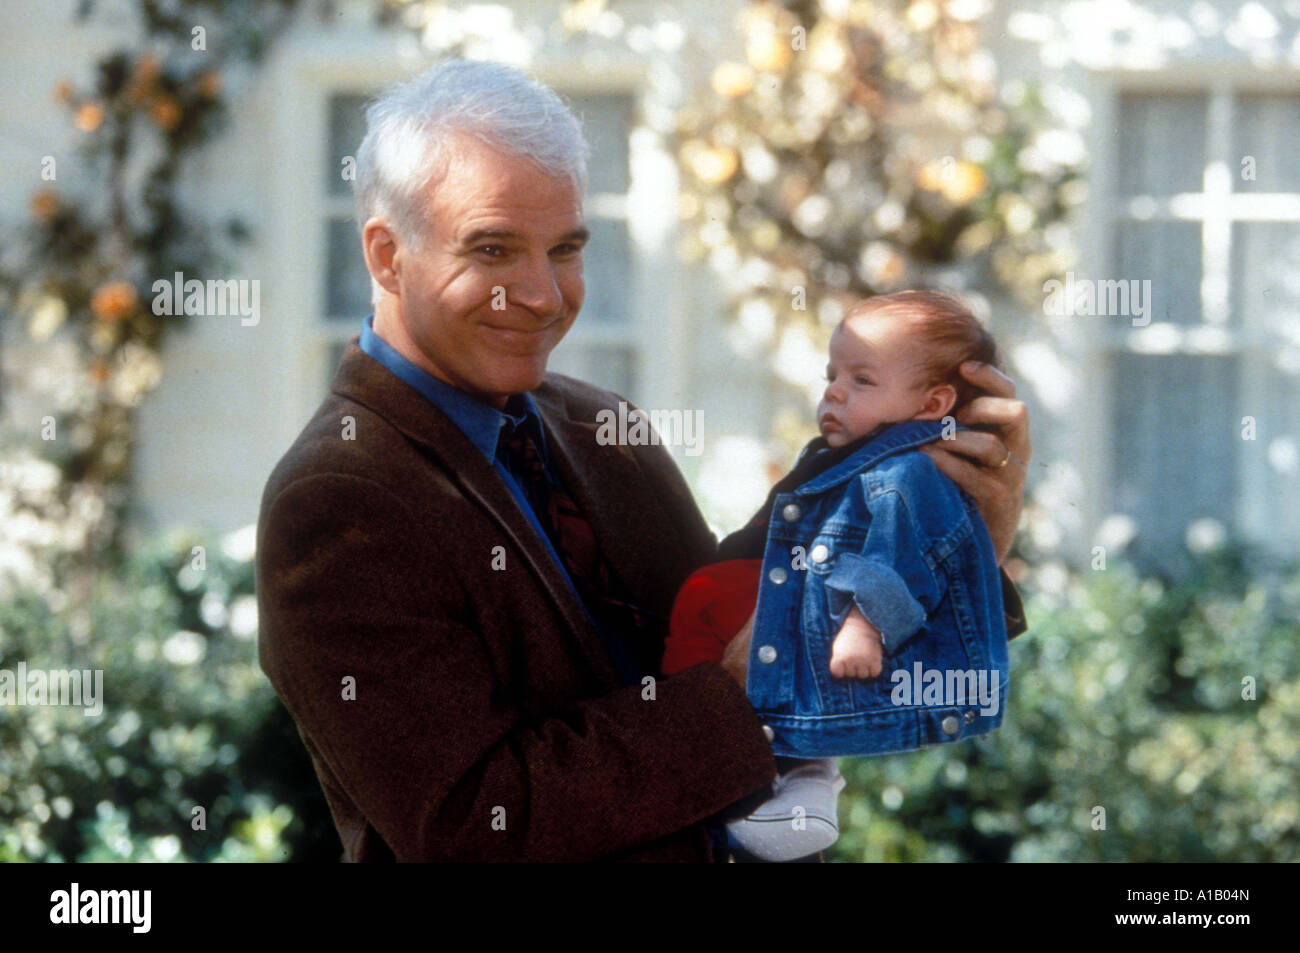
[856,651]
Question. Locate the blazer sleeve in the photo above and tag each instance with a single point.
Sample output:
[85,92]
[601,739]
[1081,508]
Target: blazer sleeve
[1013,608]
[398,694]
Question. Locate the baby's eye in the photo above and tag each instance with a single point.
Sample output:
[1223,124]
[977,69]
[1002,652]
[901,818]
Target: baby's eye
[862,381]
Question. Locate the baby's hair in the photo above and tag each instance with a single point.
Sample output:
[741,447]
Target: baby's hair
[951,333]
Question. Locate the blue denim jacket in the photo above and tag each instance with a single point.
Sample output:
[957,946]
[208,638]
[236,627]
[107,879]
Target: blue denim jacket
[885,530]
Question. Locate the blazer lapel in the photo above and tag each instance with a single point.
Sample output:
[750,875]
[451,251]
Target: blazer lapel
[365,380]
[630,525]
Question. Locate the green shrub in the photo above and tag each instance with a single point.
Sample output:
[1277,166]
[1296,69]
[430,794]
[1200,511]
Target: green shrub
[1126,695]
[189,721]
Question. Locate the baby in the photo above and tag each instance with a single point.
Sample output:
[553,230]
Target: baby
[864,557]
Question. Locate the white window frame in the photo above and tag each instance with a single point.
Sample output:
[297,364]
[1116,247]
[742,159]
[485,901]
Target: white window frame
[1218,206]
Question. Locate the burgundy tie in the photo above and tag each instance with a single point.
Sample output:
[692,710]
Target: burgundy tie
[599,586]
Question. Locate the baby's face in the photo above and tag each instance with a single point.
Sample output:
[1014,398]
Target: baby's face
[873,378]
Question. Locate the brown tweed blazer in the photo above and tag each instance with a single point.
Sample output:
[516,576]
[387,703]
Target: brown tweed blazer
[456,711]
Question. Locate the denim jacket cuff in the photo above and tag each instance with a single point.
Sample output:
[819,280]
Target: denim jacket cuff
[880,595]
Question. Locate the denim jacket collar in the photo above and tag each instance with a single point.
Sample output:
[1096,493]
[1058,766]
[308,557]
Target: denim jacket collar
[891,440]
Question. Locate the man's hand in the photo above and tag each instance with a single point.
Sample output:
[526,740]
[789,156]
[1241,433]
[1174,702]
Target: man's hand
[991,467]
[856,651]
[736,657]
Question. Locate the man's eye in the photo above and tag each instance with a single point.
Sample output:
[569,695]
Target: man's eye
[568,250]
[492,251]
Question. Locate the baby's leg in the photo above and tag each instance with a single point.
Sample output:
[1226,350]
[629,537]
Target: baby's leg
[801,817]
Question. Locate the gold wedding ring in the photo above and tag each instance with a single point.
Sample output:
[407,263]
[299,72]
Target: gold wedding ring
[1005,461]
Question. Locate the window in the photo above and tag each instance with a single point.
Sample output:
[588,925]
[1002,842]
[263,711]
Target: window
[601,347]
[346,281]
[1208,209]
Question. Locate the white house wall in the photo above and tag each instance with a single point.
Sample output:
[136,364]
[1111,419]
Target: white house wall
[234,397]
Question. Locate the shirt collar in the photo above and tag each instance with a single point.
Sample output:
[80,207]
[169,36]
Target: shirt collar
[479,421]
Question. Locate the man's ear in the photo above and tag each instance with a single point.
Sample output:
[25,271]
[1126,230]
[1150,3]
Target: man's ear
[379,242]
[939,400]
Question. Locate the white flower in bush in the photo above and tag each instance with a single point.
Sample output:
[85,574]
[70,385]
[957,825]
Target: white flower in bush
[1205,534]
[165,848]
[243,617]
[1116,531]
[241,545]
[212,609]
[185,648]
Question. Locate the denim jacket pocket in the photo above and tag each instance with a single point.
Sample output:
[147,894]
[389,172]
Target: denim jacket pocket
[880,594]
[828,552]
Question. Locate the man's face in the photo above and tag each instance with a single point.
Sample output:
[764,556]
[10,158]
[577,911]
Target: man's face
[872,379]
[498,281]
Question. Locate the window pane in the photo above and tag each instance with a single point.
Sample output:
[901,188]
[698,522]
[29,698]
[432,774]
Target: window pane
[609,366]
[1176,442]
[1271,470]
[347,126]
[1169,255]
[607,267]
[1161,143]
[1267,129]
[347,283]
[1266,276]
[607,123]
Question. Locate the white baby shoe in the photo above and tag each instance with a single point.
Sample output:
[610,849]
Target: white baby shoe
[799,819]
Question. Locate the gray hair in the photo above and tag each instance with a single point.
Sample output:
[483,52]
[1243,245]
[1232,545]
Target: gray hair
[409,125]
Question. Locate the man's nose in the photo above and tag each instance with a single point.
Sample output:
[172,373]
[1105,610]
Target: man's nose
[538,290]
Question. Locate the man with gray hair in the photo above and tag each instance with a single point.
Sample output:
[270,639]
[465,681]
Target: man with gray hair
[463,593]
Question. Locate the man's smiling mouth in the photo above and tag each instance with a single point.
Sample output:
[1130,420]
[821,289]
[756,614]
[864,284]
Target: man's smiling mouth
[520,334]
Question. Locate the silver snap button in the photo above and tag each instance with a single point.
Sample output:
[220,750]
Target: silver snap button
[766,654]
[969,717]
[778,575]
[819,553]
[791,512]
[768,733]
[950,725]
